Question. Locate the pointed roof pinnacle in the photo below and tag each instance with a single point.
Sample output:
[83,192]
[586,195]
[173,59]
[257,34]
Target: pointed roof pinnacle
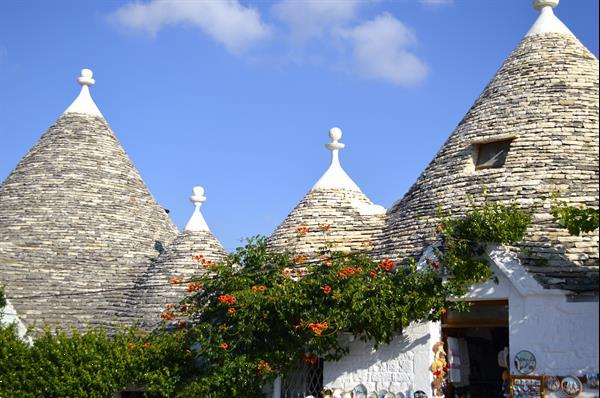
[84,102]
[335,177]
[547,22]
[196,222]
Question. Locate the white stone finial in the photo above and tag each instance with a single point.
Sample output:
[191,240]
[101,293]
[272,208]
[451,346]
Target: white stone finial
[539,4]
[547,22]
[84,102]
[86,78]
[196,222]
[335,177]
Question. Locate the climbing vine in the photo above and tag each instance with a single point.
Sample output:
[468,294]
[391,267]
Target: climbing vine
[260,312]
[576,220]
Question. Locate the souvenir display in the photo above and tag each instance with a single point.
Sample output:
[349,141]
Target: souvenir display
[439,368]
[527,387]
[337,393]
[327,393]
[525,362]
[360,388]
[552,383]
[592,380]
[571,385]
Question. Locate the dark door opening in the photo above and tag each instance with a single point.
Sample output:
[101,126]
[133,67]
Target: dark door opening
[473,342]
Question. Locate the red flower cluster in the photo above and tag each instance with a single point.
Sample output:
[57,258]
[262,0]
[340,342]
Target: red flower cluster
[326,289]
[202,260]
[310,358]
[224,346]
[227,299]
[325,227]
[182,324]
[169,307]
[440,228]
[317,328]
[192,287]
[349,271]
[264,367]
[386,264]
[326,261]
[259,288]
[176,280]
[147,345]
[299,259]
[302,230]
[231,310]
[130,346]
[168,316]
[434,263]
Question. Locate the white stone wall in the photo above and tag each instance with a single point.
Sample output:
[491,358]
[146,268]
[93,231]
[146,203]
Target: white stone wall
[562,335]
[401,364]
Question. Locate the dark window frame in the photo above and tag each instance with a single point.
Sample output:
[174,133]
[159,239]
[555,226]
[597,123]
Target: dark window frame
[496,149]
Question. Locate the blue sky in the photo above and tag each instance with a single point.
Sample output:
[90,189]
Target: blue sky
[238,96]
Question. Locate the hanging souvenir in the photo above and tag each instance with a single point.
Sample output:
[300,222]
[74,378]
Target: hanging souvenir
[571,385]
[552,383]
[592,380]
[525,362]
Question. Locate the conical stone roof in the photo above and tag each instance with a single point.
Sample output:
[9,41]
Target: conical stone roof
[167,278]
[544,98]
[334,214]
[77,224]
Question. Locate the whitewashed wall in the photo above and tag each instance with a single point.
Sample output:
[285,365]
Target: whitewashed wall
[401,364]
[562,335]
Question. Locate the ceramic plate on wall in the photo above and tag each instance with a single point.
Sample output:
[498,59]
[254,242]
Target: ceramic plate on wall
[571,385]
[552,383]
[525,362]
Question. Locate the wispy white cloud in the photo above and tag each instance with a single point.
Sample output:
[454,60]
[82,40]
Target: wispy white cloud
[436,3]
[333,30]
[307,19]
[227,21]
[380,49]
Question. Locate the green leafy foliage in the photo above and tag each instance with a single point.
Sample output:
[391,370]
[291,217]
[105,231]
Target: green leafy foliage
[2,298]
[576,220]
[91,364]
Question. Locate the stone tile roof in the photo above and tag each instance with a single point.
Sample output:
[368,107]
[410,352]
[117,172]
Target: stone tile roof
[335,214]
[545,96]
[346,220]
[153,290]
[77,227]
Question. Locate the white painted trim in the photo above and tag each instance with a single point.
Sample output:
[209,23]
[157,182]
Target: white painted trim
[547,22]
[196,222]
[84,102]
[510,265]
[335,177]
[8,315]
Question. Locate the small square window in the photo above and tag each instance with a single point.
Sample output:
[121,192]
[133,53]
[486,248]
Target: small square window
[490,155]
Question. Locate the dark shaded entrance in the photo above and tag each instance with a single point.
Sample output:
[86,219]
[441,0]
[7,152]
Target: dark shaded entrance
[475,339]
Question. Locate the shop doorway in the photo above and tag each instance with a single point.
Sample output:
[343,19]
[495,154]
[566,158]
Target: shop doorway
[477,344]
